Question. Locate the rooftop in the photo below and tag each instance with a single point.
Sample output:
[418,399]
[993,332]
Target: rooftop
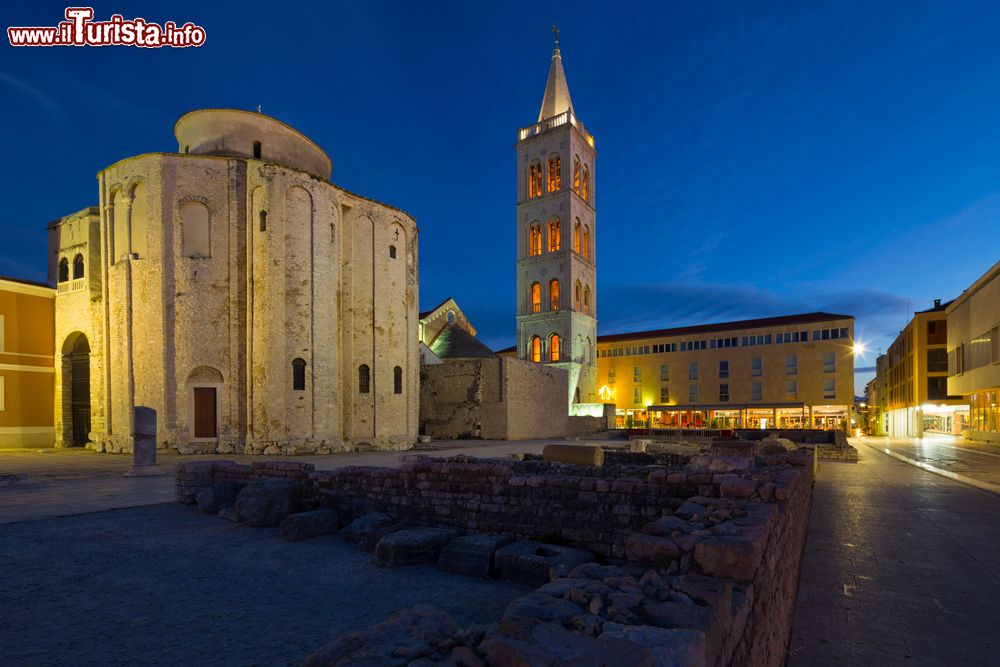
[784,320]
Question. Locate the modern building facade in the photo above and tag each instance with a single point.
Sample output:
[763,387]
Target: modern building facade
[974,354]
[26,367]
[556,239]
[876,393]
[917,400]
[232,287]
[795,371]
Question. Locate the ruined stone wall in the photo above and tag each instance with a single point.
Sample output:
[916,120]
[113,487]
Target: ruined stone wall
[535,396]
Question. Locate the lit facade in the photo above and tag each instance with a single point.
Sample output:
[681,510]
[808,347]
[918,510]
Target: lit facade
[781,372]
[26,373]
[556,240]
[974,354]
[255,305]
[917,399]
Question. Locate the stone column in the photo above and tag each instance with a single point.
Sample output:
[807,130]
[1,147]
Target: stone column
[144,444]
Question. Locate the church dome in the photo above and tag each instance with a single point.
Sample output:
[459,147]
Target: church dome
[247,134]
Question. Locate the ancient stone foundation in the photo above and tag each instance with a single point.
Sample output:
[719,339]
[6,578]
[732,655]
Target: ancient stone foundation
[698,556]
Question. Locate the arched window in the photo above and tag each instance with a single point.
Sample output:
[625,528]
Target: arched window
[555,174]
[576,174]
[585,184]
[554,294]
[119,226]
[586,299]
[535,240]
[576,237]
[364,379]
[535,180]
[263,220]
[554,235]
[63,270]
[195,230]
[576,295]
[397,380]
[78,266]
[536,298]
[392,252]
[554,350]
[535,349]
[137,221]
[256,150]
[298,374]
[586,242]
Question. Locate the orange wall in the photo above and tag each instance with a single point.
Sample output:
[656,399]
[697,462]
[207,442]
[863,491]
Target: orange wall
[28,343]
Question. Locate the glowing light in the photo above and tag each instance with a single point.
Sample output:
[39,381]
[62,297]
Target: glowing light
[607,393]
[859,348]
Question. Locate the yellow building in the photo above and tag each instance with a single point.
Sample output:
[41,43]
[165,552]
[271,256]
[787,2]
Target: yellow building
[27,326]
[795,371]
[974,354]
[916,379]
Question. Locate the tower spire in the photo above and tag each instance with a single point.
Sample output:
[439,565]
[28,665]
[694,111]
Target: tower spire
[556,99]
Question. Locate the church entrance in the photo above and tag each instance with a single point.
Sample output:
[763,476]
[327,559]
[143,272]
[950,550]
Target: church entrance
[76,372]
[205,418]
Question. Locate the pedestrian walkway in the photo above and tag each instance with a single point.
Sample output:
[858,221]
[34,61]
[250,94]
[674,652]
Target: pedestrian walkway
[902,566]
[972,463]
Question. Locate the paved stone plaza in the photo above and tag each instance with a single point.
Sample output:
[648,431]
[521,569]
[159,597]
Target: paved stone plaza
[902,566]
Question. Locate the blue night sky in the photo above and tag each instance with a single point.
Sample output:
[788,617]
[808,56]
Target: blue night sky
[755,159]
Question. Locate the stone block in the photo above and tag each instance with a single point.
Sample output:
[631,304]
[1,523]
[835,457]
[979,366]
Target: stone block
[411,546]
[472,554]
[265,502]
[651,550]
[581,455]
[732,558]
[218,496]
[532,563]
[363,525]
[668,646]
[737,487]
[304,525]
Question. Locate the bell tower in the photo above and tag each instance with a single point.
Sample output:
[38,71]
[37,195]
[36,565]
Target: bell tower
[556,234]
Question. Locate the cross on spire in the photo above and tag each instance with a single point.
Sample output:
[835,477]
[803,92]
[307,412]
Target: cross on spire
[555,34]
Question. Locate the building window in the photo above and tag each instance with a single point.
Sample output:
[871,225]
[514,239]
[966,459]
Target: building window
[63,270]
[937,360]
[576,295]
[536,297]
[756,391]
[364,379]
[724,391]
[664,372]
[555,241]
[576,174]
[536,349]
[554,350]
[791,389]
[195,229]
[585,184]
[78,266]
[791,364]
[392,252]
[586,242]
[829,388]
[554,294]
[693,393]
[611,376]
[664,394]
[829,362]
[637,374]
[555,173]
[637,395]
[756,367]
[723,369]
[397,380]
[262,219]
[298,374]
[586,299]
[576,237]
[535,240]
[535,180]
[256,150]
[693,370]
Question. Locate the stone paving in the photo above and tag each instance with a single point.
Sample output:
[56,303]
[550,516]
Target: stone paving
[973,463]
[902,566]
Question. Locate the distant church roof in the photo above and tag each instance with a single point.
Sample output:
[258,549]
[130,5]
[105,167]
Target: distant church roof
[556,98]
[454,342]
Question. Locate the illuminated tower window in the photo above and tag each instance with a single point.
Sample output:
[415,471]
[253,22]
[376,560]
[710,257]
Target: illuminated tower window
[586,299]
[536,298]
[576,237]
[554,294]
[585,184]
[554,235]
[536,349]
[576,295]
[535,240]
[535,180]
[586,242]
[555,174]
[576,174]
[554,347]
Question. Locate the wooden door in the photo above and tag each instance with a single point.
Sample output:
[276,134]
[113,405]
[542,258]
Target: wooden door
[204,412]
